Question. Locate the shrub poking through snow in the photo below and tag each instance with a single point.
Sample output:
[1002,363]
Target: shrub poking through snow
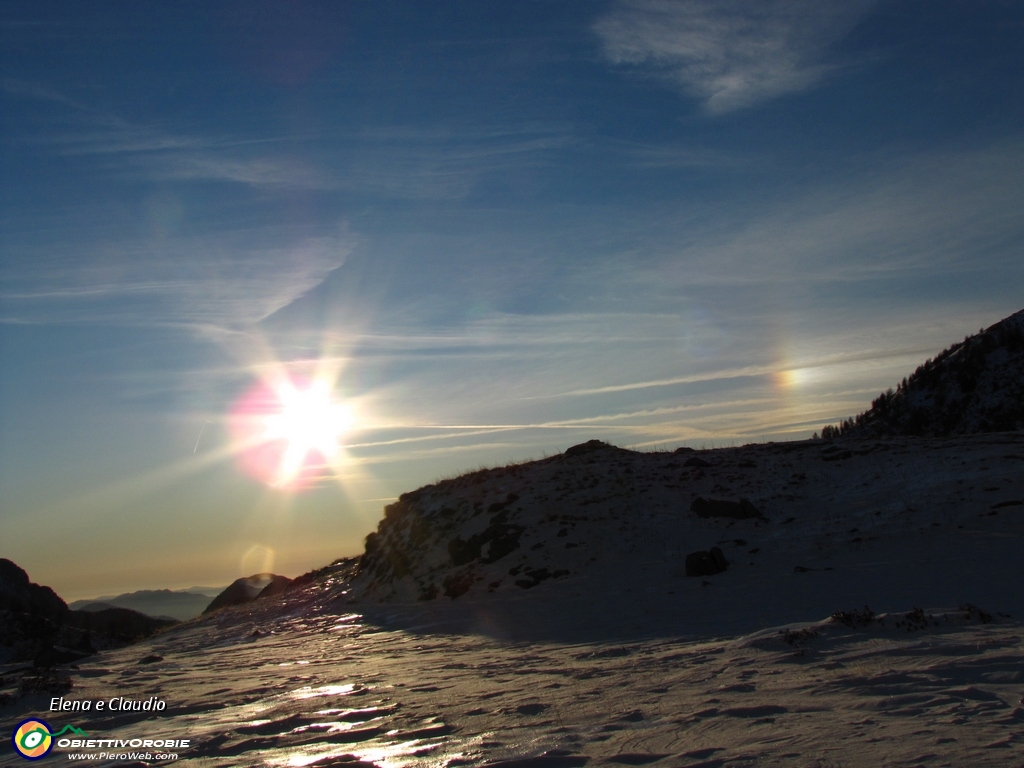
[853,619]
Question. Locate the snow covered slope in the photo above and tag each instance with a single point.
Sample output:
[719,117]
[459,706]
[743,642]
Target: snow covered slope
[836,523]
[974,386]
[622,659]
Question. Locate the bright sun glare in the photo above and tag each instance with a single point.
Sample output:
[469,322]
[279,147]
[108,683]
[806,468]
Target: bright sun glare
[308,421]
[290,432]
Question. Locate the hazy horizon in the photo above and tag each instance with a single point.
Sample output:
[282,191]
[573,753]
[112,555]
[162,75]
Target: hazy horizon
[494,231]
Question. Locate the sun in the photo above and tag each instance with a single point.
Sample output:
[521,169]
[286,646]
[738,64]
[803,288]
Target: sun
[290,432]
[309,420]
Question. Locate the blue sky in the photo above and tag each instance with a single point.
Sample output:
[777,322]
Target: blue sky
[503,228]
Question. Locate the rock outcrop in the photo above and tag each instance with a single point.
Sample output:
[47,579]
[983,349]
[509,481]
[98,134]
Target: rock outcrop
[37,625]
[518,527]
[20,595]
[706,563]
[249,588]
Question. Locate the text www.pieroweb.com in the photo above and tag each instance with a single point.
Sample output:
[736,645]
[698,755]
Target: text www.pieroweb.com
[122,756]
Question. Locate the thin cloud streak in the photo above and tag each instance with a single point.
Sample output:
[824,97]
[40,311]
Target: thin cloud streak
[714,376]
[746,372]
[455,431]
[428,452]
[446,170]
[158,154]
[220,280]
[460,432]
[390,163]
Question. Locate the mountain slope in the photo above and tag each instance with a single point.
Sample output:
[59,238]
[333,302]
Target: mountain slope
[601,519]
[974,386]
[247,589]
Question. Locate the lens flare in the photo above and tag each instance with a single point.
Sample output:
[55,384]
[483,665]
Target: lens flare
[257,559]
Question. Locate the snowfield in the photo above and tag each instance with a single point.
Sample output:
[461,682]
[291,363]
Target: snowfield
[540,615]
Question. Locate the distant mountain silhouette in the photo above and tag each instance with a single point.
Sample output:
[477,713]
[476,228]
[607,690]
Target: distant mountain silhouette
[177,604]
[974,386]
[90,607]
[249,588]
[97,607]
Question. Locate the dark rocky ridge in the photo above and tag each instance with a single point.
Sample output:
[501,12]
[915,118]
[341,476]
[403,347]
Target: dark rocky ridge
[518,526]
[20,595]
[37,625]
[480,522]
[602,521]
[975,386]
[249,588]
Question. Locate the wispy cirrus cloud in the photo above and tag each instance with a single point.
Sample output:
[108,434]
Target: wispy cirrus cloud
[232,280]
[730,54]
[390,162]
[936,214]
[158,153]
[281,172]
[441,168]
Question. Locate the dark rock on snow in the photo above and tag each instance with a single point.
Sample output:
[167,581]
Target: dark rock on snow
[706,563]
[499,538]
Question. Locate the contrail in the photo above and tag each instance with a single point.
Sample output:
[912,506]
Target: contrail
[200,436]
